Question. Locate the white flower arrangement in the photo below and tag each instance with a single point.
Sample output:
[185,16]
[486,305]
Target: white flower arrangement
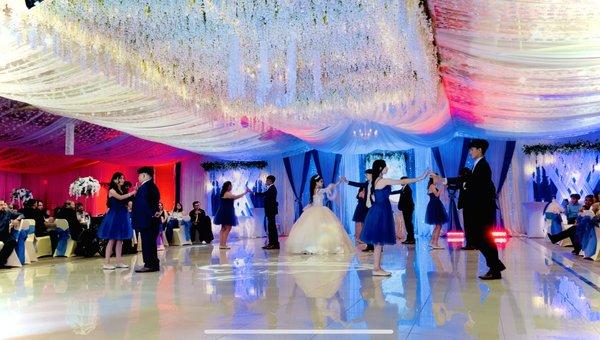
[21,195]
[84,186]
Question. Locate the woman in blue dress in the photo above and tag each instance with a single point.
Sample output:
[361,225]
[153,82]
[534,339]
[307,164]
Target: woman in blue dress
[435,214]
[116,225]
[225,215]
[379,227]
[360,212]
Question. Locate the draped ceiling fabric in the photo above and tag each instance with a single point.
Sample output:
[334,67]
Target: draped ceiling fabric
[33,141]
[233,80]
[253,79]
[522,68]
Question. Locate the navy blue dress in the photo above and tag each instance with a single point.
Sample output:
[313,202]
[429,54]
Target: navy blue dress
[360,213]
[436,213]
[116,224]
[226,213]
[379,227]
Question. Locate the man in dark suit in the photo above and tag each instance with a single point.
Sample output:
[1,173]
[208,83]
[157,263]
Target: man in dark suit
[271,210]
[407,206]
[200,224]
[469,235]
[480,205]
[144,218]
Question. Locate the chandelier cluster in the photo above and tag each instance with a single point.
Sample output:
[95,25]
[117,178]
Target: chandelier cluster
[298,61]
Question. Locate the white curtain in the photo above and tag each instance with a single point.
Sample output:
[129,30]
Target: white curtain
[193,183]
[423,161]
[350,168]
[513,194]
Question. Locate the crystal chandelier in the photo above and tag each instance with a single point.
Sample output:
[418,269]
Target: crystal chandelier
[294,61]
[365,133]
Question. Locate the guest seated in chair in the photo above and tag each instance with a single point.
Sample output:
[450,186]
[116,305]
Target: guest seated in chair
[588,210]
[201,224]
[573,208]
[45,212]
[82,216]
[173,221]
[8,220]
[32,211]
[67,212]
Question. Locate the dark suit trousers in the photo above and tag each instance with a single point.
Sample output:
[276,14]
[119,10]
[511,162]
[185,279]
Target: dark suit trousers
[569,233]
[149,251]
[489,250]
[273,235]
[9,246]
[408,223]
[468,228]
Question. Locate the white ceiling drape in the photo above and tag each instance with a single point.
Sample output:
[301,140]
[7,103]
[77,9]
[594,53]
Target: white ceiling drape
[255,79]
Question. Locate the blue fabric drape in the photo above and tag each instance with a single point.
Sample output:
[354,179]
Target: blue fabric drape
[509,150]
[449,151]
[327,165]
[296,168]
[586,235]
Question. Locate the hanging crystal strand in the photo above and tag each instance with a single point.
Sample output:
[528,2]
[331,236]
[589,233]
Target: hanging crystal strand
[291,71]
[263,72]
[235,74]
[32,36]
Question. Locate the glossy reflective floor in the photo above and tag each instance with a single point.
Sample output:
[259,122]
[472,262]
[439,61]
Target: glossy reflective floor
[432,294]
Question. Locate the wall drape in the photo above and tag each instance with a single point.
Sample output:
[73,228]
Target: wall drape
[328,165]
[449,159]
[296,168]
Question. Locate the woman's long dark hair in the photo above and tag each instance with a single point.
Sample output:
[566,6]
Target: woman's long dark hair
[113,185]
[175,209]
[225,188]
[430,182]
[377,168]
[313,184]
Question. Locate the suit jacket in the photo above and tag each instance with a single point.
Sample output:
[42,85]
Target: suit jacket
[201,216]
[271,205]
[361,186]
[145,206]
[478,195]
[406,203]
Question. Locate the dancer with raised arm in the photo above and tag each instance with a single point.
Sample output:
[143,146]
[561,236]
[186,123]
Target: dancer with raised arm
[225,215]
[379,227]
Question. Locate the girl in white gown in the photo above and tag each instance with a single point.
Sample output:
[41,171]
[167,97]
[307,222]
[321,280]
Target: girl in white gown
[318,230]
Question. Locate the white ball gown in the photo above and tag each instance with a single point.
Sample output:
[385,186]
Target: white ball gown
[318,230]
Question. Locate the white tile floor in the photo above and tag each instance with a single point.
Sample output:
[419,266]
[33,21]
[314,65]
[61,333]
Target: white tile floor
[431,295]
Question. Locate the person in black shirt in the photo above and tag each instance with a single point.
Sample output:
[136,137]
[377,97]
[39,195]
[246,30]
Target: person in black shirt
[8,220]
[68,213]
[201,224]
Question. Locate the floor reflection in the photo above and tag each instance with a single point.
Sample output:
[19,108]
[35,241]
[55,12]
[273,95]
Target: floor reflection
[430,294]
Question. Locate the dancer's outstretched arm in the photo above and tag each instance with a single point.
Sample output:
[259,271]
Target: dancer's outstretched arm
[390,181]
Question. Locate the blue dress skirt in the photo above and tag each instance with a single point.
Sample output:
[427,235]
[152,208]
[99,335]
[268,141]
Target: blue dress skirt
[226,213]
[379,227]
[116,224]
[436,213]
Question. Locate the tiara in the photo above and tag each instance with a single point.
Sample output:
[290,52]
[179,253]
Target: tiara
[317,178]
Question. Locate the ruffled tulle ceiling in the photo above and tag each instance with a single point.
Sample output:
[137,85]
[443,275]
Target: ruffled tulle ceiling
[250,79]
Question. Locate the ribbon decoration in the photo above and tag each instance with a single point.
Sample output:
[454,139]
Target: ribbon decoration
[63,240]
[20,236]
[586,235]
[556,219]
[187,229]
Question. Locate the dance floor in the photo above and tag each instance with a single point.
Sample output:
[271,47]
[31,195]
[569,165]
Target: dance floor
[202,292]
